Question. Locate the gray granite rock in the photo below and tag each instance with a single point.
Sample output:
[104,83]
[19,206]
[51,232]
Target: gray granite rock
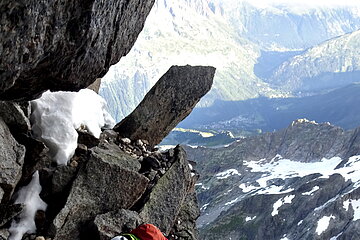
[185,223]
[62,177]
[11,160]
[167,103]
[107,183]
[169,194]
[14,116]
[63,45]
[7,212]
[114,223]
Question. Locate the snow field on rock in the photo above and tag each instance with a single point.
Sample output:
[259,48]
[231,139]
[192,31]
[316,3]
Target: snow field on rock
[286,168]
[355,206]
[56,116]
[280,202]
[226,174]
[323,224]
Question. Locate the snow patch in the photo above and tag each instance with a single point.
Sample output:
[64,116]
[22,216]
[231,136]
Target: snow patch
[204,207]
[346,204]
[227,173]
[247,219]
[205,188]
[191,167]
[279,168]
[323,224]
[232,202]
[355,204]
[164,148]
[280,202]
[29,196]
[247,187]
[336,237]
[311,191]
[56,115]
[284,238]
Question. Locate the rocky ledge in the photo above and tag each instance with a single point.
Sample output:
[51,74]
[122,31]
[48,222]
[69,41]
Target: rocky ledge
[111,184]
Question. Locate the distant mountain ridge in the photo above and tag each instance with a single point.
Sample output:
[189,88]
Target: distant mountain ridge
[291,26]
[282,185]
[221,34]
[171,37]
[329,65]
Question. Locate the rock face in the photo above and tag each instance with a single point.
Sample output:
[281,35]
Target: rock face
[98,189]
[11,160]
[298,183]
[115,192]
[42,49]
[171,99]
[168,195]
[14,116]
[185,224]
[116,222]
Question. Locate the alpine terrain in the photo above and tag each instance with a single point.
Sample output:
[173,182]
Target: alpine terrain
[253,46]
[302,182]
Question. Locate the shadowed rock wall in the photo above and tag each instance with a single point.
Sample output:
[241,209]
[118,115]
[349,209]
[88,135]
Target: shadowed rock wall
[63,45]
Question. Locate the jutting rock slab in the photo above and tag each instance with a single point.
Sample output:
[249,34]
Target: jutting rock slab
[171,100]
[63,45]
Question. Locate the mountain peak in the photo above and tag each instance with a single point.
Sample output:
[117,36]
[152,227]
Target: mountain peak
[302,121]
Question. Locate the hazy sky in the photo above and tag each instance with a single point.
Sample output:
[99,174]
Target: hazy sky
[309,2]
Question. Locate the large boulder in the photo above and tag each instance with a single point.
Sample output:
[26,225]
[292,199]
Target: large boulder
[169,194]
[114,223]
[63,45]
[14,116]
[109,181]
[171,99]
[11,161]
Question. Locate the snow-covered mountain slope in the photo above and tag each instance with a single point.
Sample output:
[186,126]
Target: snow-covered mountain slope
[229,35]
[331,64]
[299,183]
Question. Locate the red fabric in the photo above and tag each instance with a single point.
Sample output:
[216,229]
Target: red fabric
[148,232]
